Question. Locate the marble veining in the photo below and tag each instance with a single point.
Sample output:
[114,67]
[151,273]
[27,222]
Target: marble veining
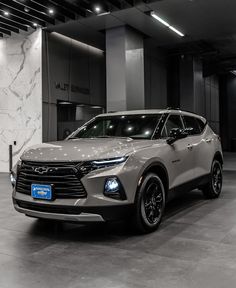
[20,94]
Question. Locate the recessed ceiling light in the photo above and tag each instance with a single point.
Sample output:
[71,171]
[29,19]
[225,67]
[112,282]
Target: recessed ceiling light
[97,9]
[51,11]
[6,13]
[26,9]
[165,23]
[96,107]
[65,103]
[35,24]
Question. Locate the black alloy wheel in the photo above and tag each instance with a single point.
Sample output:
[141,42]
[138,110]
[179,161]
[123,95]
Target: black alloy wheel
[150,204]
[217,177]
[213,188]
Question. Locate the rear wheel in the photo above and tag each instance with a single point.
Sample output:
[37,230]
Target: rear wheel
[213,188]
[150,204]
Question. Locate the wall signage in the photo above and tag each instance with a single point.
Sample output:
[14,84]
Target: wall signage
[73,88]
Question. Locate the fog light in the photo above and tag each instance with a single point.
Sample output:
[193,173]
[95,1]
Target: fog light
[13,179]
[112,185]
[114,189]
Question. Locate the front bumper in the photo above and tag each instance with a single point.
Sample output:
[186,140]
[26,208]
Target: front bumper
[96,207]
[73,213]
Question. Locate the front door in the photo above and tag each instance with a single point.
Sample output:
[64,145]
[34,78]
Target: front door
[180,154]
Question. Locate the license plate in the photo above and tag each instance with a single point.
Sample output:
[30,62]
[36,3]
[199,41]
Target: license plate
[41,191]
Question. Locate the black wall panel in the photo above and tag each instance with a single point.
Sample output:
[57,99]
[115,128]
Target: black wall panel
[228,111]
[72,71]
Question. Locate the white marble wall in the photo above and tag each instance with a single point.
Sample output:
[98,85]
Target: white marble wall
[20,94]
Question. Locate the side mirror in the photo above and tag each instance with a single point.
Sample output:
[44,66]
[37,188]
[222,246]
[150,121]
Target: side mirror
[176,134]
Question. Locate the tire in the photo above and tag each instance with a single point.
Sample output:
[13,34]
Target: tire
[149,204]
[213,188]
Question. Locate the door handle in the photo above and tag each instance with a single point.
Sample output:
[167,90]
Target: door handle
[208,140]
[190,147]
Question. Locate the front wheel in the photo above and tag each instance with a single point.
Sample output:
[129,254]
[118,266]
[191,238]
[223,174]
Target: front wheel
[213,188]
[150,204]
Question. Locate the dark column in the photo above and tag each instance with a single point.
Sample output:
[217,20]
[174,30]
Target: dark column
[125,69]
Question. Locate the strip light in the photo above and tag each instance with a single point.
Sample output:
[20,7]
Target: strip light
[155,16]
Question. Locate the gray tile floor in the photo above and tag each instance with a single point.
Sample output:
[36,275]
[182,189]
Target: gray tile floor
[194,247]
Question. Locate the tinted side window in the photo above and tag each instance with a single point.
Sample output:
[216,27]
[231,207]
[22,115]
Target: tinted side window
[174,121]
[201,124]
[191,123]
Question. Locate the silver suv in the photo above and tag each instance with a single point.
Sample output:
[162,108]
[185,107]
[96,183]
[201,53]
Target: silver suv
[117,165]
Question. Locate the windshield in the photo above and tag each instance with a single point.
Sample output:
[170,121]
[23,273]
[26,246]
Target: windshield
[132,126]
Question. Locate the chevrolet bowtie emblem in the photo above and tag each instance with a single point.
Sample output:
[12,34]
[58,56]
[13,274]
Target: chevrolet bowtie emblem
[42,193]
[41,170]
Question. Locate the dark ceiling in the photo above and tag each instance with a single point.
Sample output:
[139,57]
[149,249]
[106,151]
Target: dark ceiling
[209,25]
[16,15]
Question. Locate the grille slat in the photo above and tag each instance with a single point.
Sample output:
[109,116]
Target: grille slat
[46,181]
[64,178]
[31,174]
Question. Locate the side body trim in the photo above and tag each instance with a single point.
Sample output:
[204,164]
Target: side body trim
[188,186]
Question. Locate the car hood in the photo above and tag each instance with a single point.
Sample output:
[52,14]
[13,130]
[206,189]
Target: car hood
[84,149]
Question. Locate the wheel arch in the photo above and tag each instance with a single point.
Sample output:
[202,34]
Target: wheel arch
[160,170]
[218,156]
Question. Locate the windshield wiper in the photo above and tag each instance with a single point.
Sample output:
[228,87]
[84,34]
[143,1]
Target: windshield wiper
[103,136]
[123,137]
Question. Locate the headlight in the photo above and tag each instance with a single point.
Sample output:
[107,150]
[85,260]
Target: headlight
[114,189]
[107,162]
[13,179]
[14,173]
[90,166]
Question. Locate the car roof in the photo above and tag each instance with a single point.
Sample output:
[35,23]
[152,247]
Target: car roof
[152,111]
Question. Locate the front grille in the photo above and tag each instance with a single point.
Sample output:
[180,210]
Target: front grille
[65,178]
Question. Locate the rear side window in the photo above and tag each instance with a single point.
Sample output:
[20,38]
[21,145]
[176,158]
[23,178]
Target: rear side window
[174,121]
[201,124]
[192,125]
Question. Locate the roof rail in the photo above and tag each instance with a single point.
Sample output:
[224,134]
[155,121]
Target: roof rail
[188,111]
[170,108]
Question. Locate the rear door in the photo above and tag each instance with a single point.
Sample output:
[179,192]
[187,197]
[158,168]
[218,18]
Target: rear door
[180,155]
[202,143]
